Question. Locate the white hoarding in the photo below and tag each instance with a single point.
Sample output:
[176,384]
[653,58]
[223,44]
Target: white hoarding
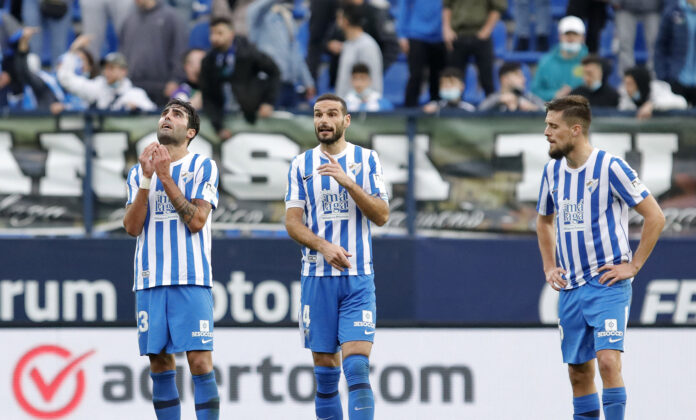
[434,374]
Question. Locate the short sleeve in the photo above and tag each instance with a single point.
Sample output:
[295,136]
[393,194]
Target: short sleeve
[375,185]
[206,183]
[625,184]
[545,201]
[294,191]
[132,183]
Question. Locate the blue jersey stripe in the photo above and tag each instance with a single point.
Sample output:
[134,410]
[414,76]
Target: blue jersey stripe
[568,237]
[188,190]
[371,162]
[173,235]
[596,234]
[611,224]
[310,191]
[554,194]
[207,167]
[582,246]
[204,259]
[159,242]
[360,259]
[289,192]
[618,186]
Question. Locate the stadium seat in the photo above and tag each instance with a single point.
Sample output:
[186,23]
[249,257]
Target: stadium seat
[395,80]
[198,38]
[499,38]
[558,8]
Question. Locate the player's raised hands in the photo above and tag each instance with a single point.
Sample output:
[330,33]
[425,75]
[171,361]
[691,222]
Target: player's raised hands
[162,160]
[614,273]
[334,169]
[336,255]
[146,159]
[554,277]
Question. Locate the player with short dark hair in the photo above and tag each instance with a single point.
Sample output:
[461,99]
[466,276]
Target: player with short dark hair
[171,193]
[588,192]
[335,192]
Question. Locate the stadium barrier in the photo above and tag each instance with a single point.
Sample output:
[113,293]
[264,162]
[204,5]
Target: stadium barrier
[444,374]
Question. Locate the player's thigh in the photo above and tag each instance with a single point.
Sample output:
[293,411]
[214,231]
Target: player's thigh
[319,313]
[190,314]
[357,310]
[607,310]
[153,331]
[577,340]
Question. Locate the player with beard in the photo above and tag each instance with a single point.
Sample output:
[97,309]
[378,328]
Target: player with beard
[335,192]
[171,193]
[588,192]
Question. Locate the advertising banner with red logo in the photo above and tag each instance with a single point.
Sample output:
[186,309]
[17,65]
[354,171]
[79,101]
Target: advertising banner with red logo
[443,374]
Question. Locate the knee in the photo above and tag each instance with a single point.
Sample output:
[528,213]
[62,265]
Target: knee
[199,364]
[580,375]
[327,359]
[356,368]
[609,363]
[162,363]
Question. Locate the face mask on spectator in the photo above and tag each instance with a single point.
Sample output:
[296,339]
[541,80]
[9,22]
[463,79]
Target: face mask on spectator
[571,47]
[450,94]
[596,85]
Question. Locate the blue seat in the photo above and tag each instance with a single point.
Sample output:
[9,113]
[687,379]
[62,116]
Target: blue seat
[395,80]
[199,36]
[499,38]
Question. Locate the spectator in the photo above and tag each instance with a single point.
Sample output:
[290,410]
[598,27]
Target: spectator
[10,33]
[628,14]
[362,97]
[420,34]
[111,91]
[322,19]
[96,15]
[596,87]
[155,65]
[676,47]
[272,30]
[377,23]
[595,12]
[640,92]
[542,24]
[189,90]
[559,70]
[467,26]
[358,48]
[451,90]
[236,74]
[55,25]
[512,95]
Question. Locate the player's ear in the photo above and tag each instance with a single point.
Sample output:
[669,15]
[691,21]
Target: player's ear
[346,120]
[190,134]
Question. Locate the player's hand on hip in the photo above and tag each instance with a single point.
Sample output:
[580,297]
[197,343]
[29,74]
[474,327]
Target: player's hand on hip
[146,159]
[334,169]
[614,273]
[161,159]
[554,277]
[336,255]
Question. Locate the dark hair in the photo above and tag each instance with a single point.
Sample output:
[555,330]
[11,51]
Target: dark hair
[332,97]
[642,77]
[93,68]
[575,109]
[221,20]
[194,121]
[354,14]
[593,59]
[360,68]
[188,52]
[508,67]
[451,72]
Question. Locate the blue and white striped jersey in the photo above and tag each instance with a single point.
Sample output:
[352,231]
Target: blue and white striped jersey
[591,205]
[330,211]
[166,252]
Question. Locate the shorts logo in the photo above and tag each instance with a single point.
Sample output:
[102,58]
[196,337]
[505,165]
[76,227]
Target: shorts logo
[610,325]
[367,316]
[205,325]
[203,329]
[367,320]
[611,328]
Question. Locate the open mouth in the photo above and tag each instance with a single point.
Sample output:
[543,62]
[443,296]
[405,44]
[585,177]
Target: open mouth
[166,125]
[327,130]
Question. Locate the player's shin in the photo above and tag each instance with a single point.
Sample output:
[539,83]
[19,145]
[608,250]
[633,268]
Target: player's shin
[361,401]
[586,407]
[165,396]
[327,402]
[614,403]
[205,394]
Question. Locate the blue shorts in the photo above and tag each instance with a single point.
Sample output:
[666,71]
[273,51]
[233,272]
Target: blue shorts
[174,319]
[593,317]
[337,309]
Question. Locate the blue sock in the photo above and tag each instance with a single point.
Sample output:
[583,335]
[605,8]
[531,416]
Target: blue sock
[361,402]
[614,402]
[586,407]
[327,402]
[205,394]
[165,396]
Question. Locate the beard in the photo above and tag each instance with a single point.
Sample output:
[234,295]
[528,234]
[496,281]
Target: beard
[169,138]
[561,152]
[338,133]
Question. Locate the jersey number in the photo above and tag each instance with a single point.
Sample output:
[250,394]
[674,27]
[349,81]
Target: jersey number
[305,315]
[142,321]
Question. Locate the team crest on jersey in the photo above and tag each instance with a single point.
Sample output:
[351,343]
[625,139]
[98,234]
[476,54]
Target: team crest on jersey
[334,205]
[591,185]
[164,209]
[186,177]
[355,168]
[572,215]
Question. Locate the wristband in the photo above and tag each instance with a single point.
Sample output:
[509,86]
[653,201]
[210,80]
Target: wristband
[145,183]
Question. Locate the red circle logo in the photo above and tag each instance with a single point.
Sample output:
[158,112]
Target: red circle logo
[49,387]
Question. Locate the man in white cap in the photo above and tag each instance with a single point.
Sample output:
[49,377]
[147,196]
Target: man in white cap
[560,69]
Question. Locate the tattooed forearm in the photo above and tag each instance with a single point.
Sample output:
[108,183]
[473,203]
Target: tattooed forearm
[185,208]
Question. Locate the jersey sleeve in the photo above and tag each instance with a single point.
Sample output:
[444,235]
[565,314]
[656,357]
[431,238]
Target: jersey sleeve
[294,192]
[132,183]
[545,201]
[375,183]
[206,183]
[625,184]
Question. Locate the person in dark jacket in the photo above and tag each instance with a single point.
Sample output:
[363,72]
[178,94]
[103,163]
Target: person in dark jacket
[676,47]
[252,76]
[596,87]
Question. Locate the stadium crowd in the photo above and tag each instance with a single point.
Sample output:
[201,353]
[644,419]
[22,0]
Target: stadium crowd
[256,56]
